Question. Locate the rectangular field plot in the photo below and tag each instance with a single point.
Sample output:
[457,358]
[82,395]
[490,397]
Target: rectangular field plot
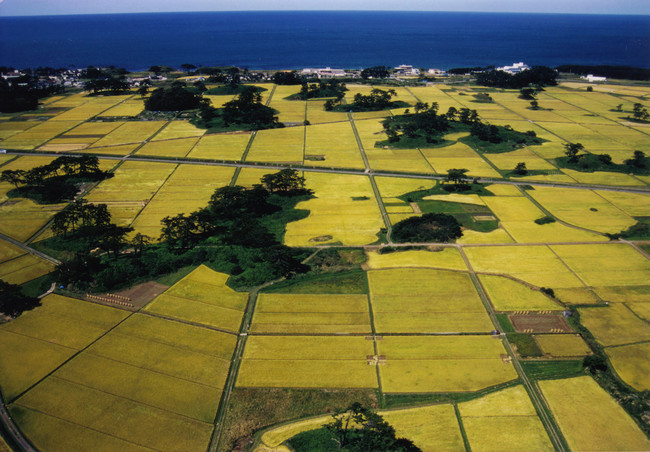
[168,148]
[563,345]
[615,325]
[332,145]
[459,155]
[278,145]
[39,134]
[202,297]
[40,340]
[113,415]
[633,204]
[189,188]
[132,187]
[24,268]
[221,146]
[617,265]
[131,132]
[179,129]
[22,218]
[604,178]
[130,107]
[535,264]
[430,428]
[307,362]
[316,113]
[447,258]
[510,295]
[442,363]
[589,418]
[505,420]
[423,300]
[298,313]
[343,210]
[92,107]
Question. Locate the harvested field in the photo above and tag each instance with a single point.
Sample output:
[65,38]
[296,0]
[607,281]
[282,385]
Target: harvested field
[539,323]
[563,345]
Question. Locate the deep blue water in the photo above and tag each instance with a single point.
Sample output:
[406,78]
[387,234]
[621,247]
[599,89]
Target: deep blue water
[275,40]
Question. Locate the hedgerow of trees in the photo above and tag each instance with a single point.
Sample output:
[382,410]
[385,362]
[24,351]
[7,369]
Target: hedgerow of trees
[239,232]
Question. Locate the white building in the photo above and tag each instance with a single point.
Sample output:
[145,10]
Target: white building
[593,78]
[436,72]
[326,72]
[515,68]
[406,69]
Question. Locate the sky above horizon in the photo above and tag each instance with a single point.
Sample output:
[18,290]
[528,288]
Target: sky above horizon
[55,7]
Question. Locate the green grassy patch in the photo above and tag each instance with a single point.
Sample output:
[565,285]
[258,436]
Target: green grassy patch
[37,286]
[504,323]
[319,440]
[639,231]
[172,278]
[352,282]
[588,163]
[526,345]
[465,213]
[543,370]
[226,90]
[252,409]
[407,400]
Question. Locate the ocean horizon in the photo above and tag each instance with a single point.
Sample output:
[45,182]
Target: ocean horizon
[343,39]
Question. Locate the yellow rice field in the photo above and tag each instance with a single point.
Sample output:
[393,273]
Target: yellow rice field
[308,362]
[589,418]
[344,210]
[632,364]
[459,363]
[444,301]
[503,420]
[563,345]
[446,258]
[615,325]
[311,313]
[202,297]
[510,295]
[221,146]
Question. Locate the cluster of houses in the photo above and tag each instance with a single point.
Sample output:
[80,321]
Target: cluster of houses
[403,70]
[68,78]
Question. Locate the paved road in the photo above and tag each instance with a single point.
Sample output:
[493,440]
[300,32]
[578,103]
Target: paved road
[29,249]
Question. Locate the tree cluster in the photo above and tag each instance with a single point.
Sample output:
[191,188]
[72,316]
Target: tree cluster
[425,123]
[324,88]
[55,181]
[535,76]
[639,112]
[22,93]
[176,98]
[110,85]
[287,78]
[430,227]
[90,226]
[375,72]
[355,429]
[12,300]
[245,111]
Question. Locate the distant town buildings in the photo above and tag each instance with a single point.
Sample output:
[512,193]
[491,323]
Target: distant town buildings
[327,72]
[514,69]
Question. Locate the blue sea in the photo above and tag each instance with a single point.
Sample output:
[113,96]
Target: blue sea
[291,40]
